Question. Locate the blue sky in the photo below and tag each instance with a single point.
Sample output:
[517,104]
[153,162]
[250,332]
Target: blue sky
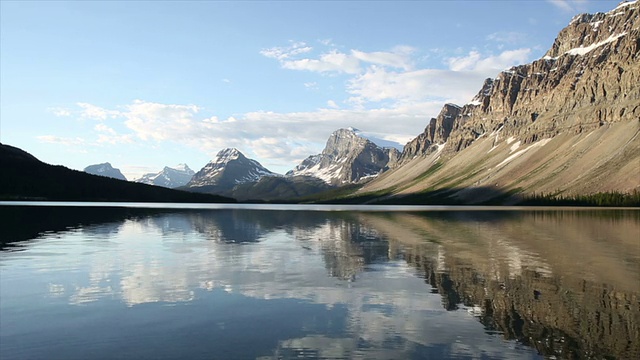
[153,83]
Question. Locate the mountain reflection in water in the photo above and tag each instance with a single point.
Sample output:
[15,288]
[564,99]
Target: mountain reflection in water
[281,284]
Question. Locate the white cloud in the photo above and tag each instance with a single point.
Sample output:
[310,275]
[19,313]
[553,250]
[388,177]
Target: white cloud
[155,121]
[332,104]
[67,141]
[507,37]
[332,61]
[59,112]
[104,128]
[311,85]
[115,139]
[327,42]
[379,84]
[340,62]
[569,6]
[90,111]
[400,59]
[286,52]
[489,65]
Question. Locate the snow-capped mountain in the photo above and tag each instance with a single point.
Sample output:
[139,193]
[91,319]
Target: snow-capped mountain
[169,177]
[229,168]
[105,169]
[347,158]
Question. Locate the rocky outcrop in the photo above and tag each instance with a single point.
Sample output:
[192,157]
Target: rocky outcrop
[347,158]
[105,169]
[436,133]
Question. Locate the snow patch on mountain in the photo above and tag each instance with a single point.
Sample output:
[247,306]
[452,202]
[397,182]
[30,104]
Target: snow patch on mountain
[169,177]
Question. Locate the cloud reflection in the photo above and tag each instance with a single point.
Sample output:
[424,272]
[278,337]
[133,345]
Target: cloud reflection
[376,266]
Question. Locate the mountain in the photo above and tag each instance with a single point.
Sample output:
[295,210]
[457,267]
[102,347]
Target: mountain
[105,169]
[347,158]
[169,177]
[566,124]
[24,177]
[228,169]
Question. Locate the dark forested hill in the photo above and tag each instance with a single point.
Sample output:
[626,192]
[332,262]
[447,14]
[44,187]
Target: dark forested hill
[23,177]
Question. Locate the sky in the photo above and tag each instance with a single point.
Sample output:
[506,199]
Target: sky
[148,84]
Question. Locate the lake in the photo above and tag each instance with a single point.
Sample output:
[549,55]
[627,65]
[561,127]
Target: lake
[170,281]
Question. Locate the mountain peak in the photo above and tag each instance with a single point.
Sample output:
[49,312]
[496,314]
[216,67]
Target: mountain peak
[228,154]
[229,168]
[105,169]
[181,167]
[169,177]
[587,32]
[348,157]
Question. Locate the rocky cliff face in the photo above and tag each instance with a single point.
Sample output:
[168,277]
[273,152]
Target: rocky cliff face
[105,169]
[228,169]
[347,158]
[585,85]
[169,177]
[588,79]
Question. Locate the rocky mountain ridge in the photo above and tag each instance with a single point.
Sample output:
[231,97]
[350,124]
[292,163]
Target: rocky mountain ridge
[537,100]
[169,177]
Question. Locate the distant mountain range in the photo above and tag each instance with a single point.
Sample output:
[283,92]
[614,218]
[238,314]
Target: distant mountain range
[169,177]
[24,177]
[347,159]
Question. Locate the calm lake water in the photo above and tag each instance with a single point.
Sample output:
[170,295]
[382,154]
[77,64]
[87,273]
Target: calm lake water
[288,282]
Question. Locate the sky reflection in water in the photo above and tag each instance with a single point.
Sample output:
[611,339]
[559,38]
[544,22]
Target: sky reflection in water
[231,283]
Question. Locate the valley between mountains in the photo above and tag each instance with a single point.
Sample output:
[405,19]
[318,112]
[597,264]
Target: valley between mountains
[566,125]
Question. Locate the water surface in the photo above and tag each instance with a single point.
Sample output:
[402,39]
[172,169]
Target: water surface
[246,282]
